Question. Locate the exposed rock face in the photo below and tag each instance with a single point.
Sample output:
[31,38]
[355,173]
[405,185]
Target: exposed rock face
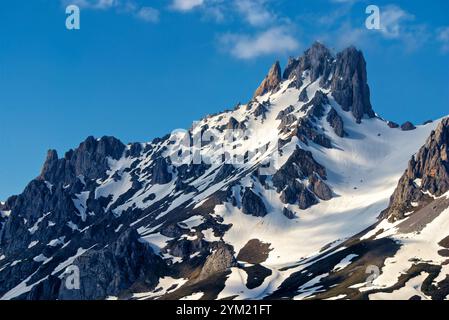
[285,112]
[254,252]
[303,97]
[300,166]
[89,160]
[320,188]
[221,260]
[306,130]
[260,111]
[252,204]
[349,84]
[287,120]
[109,271]
[296,193]
[318,59]
[336,122]
[233,124]
[160,174]
[316,106]
[225,171]
[408,126]
[345,75]
[271,82]
[428,171]
[97,195]
[393,125]
[288,213]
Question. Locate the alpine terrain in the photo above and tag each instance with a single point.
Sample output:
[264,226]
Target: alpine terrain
[304,192]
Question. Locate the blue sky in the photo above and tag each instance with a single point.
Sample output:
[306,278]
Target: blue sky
[138,68]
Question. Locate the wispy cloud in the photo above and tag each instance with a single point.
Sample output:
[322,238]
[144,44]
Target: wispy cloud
[397,26]
[94,4]
[443,38]
[394,21]
[148,14]
[276,40]
[255,12]
[186,5]
[144,13]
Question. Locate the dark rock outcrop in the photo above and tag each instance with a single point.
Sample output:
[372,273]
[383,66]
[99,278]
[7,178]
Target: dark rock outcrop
[430,166]
[252,204]
[320,188]
[303,97]
[318,60]
[160,174]
[392,125]
[408,126]
[315,108]
[350,85]
[288,213]
[296,193]
[345,75]
[113,269]
[306,130]
[221,260]
[260,111]
[301,166]
[89,160]
[285,112]
[336,122]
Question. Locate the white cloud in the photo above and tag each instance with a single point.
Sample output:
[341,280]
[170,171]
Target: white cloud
[393,21]
[148,14]
[94,4]
[277,40]
[443,38]
[254,12]
[186,5]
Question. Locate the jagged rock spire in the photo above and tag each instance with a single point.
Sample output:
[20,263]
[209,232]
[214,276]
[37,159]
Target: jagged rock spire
[350,85]
[344,74]
[271,81]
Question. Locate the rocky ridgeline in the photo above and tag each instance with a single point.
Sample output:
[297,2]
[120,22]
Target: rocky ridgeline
[344,75]
[427,175]
[63,217]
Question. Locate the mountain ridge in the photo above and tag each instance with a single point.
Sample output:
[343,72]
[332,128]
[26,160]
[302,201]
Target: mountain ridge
[306,159]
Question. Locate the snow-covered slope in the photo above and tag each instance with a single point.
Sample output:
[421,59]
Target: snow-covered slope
[262,201]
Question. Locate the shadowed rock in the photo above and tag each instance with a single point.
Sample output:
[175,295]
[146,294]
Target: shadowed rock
[303,97]
[252,204]
[393,125]
[320,188]
[430,166]
[160,174]
[336,122]
[109,271]
[221,260]
[350,85]
[408,126]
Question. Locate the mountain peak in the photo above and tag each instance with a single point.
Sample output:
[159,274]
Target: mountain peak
[344,75]
[271,81]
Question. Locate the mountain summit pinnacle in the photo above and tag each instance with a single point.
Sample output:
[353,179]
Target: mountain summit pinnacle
[344,75]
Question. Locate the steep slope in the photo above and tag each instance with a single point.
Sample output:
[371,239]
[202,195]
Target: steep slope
[404,255]
[236,206]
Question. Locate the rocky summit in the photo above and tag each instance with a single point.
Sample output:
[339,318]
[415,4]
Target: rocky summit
[304,192]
